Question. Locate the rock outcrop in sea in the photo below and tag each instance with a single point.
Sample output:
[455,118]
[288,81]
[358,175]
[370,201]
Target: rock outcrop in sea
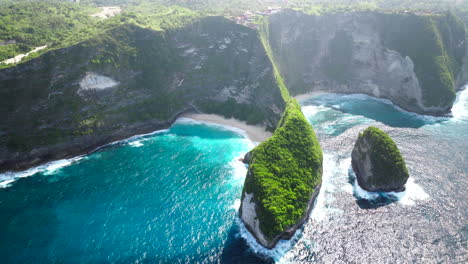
[377,162]
[283,180]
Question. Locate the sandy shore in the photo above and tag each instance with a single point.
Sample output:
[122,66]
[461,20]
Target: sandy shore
[303,97]
[255,133]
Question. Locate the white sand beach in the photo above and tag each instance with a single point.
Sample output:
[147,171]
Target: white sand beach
[255,133]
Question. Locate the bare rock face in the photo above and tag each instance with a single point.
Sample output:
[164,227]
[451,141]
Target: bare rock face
[351,53]
[132,80]
[378,163]
[94,82]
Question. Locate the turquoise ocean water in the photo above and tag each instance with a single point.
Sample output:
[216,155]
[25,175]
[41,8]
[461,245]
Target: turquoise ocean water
[173,196]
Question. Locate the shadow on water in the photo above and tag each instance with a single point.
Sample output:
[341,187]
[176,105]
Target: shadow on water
[236,250]
[372,108]
[374,203]
[377,200]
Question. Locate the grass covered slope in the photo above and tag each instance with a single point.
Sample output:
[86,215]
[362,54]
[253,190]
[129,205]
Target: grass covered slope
[25,25]
[435,43]
[163,66]
[284,172]
[387,170]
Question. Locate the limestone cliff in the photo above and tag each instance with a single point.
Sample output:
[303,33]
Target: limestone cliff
[283,180]
[132,80]
[411,60]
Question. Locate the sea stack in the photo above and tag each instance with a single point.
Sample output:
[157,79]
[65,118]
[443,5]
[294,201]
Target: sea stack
[283,180]
[377,162]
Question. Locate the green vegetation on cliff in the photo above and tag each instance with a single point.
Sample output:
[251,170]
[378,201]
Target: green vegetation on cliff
[163,68]
[25,25]
[387,162]
[284,172]
[430,41]
[264,37]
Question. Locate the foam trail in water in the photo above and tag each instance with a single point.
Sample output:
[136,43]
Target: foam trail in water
[319,212]
[412,193]
[277,252]
[136,144]
[238,170]
[7,178]
[337,101]
[137,140]
[311,110]
[460,107]
[236,204]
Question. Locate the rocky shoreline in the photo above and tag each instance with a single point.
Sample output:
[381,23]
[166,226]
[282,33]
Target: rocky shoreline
[402,107]
[83,145]
[288,233]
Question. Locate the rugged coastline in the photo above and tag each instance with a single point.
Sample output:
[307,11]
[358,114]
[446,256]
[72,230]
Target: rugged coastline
[363,52]
[255,133]
[252,226]
[83,146]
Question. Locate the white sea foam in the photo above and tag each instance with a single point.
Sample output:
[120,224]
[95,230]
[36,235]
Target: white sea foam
[236,204]
[57,165]
[460,107]
[319,212]
[6,183]
[136,144]
[49,168]
[362,97]
[277,253]
[333,170]
[136,141]
[7,178]
[412,193]
[239,169]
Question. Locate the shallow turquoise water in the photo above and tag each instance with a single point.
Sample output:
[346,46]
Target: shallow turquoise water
[168,197]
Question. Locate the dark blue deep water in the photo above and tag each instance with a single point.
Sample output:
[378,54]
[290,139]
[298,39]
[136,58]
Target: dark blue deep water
[172,197]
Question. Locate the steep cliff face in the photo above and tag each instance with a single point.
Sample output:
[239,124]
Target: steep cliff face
[132,80]
[409,59]
[283,180]
[377,162]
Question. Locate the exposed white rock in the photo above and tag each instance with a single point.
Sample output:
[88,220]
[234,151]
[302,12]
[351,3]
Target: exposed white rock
[190,51]
[94,81]
[107,12]
[249,216]
[374,68]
